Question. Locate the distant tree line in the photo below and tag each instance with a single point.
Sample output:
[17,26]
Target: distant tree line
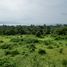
[32,29]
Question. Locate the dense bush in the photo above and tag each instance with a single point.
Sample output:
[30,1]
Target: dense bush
[7,62]
[42,52]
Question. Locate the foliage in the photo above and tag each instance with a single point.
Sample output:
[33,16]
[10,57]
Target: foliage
[33,46]
[7,62]
[32,29]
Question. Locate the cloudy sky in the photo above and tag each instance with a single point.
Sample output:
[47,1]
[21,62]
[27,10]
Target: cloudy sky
[33,12]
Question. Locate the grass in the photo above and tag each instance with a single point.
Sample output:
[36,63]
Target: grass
[31,51]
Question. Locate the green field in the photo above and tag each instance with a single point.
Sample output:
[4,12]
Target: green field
[32,51]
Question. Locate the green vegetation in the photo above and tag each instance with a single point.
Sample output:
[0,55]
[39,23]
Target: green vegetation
[30,49]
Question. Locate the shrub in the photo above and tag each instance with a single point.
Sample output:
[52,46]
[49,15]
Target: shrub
[14,52]
[59,38]
[7,52]
[6,46]
[64,62]
[38,34]
[32,40]
[58,46]
[1,41]
[61,50]
[66,44]
[32,47]
[16,39]
[48,42]
[50,47]
[41,52]
[11,52]
[25,54]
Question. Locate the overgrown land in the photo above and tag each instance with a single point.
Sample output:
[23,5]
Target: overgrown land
[33,46]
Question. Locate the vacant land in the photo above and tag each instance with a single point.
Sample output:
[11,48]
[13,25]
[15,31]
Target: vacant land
[33,51]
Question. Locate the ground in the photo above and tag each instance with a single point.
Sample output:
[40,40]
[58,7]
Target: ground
[32,51]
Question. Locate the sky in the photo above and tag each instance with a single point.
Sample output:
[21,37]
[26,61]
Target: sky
[36,12]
